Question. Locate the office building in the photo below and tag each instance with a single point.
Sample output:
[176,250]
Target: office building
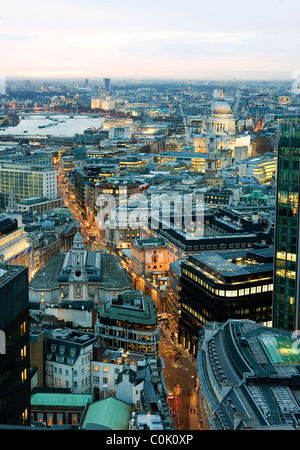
[25,181]
[91,174]
[219,229]
[248,377]
[14,360]
[107,84]
[129,321]
[14,245]
[39,205]
[222,286]
[261,168]
[286,276]
[149,255]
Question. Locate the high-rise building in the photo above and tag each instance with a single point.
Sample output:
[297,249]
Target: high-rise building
[14,360]
[107,84]
[286,301]
[26,180]
[216,286]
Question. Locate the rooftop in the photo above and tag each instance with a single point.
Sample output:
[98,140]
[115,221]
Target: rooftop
[237,263]
[261,371]
[149,242]
[109,413]
[61,400]
[136,308]
[8,271]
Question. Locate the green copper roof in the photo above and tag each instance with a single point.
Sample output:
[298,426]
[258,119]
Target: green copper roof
[51,399]
[109,412]
[65,212]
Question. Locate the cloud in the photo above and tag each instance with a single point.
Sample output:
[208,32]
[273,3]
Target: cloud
[50,73]
[117,40]
[162,36]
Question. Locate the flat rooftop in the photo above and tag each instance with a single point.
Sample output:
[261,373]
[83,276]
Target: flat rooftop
[146,314]
[235,263]
[8,271]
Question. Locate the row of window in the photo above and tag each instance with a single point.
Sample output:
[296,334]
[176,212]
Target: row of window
[48,418]
[67,371]
[229,293]
[58,382]
[286,273]
[238,311]
[194,313]
[221,246]
[104,369]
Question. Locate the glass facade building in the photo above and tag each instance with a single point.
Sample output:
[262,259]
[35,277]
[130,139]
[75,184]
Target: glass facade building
[26,181]
[14,357]
[286,276]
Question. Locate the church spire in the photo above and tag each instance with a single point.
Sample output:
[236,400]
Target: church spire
[221,94]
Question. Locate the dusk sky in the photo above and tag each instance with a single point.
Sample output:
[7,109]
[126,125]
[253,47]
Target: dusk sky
[185,39]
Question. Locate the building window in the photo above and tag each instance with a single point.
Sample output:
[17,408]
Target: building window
[24,375]
[74,419]
[59,419]
[49,420]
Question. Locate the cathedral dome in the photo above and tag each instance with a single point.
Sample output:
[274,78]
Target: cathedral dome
[221,107]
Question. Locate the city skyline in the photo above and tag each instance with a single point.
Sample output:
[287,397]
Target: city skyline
[168,39]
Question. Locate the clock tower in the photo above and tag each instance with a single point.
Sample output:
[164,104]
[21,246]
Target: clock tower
[78,280]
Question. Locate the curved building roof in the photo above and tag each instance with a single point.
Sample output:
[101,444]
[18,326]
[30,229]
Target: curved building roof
[250,375]
[221,107]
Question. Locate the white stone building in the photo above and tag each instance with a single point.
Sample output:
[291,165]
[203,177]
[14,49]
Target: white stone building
[68,360]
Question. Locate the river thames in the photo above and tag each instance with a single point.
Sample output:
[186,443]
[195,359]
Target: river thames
[55,125]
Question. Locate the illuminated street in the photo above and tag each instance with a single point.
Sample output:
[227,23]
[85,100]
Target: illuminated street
[180,379]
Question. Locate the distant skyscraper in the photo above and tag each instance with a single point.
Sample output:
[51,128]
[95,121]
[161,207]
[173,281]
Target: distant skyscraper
[107,84]
[286,302]
[14,360]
